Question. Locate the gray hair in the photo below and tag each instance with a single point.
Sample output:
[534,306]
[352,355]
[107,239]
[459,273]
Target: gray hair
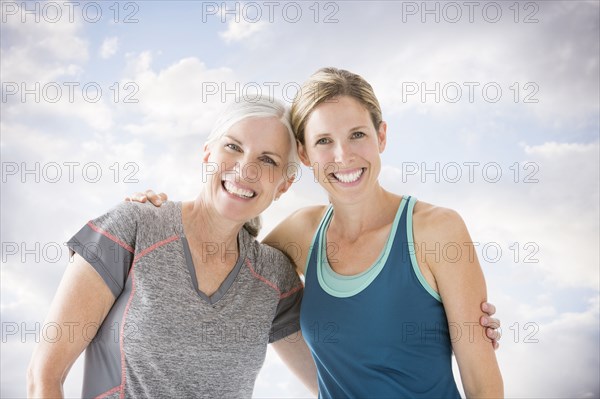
[261,107]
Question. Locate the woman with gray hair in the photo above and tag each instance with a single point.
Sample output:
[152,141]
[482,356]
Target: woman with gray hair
[181,300]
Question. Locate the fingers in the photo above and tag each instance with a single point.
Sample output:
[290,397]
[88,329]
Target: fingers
[493,334]
[488,308]
[490,322]
[492,331]
[156,199]
[136,197]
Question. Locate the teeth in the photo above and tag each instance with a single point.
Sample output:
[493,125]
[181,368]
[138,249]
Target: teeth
[240,192]
[349,177]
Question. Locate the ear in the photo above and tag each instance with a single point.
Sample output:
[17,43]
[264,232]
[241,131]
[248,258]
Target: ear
[287,183]
[206,153]
[302,154]
[382,136]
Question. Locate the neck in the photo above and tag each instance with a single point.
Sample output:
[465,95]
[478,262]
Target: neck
[352,219]
[204,225]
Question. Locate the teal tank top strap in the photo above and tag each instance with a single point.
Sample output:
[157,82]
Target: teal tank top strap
[326,217]
[411,250]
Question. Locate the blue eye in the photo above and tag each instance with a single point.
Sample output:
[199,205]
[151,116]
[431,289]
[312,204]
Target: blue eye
[324,140]
[269,160]
[234,147]
[357,135]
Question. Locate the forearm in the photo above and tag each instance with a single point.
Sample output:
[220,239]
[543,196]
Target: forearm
[42,385]
[488,388]
[296,355]
[479,369]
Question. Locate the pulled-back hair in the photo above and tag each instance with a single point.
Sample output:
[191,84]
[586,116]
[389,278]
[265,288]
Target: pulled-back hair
[326,84]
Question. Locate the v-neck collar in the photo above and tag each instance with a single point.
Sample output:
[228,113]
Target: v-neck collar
[225,285]
[231,277]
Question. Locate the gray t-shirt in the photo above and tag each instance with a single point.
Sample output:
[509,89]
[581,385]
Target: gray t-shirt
[163,338]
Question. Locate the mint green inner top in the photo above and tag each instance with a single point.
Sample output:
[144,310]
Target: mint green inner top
[345,286]
[342,286]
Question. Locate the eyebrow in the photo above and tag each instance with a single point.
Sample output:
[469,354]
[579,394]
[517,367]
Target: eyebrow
[349,130]
[359,127]
[263,153]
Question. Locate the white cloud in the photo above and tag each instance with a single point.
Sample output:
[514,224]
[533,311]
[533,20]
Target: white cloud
[109,47]
[238,31]
[182,99]
[567,214]
[41,52]
[568,341]
[87,102]
[243,22]
[563,150]
[46,60]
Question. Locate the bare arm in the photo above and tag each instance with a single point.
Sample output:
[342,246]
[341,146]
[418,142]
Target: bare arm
[82,298]
[461,285]
[296,355]
[293,236]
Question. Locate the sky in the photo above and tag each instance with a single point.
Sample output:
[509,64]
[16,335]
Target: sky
[492,110]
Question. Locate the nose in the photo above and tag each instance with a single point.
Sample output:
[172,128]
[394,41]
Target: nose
[342,153]
[248,170]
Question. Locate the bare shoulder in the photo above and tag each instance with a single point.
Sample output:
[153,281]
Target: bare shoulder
[294,234]
[311,215]
[314,212]
[434,223]
[298,224]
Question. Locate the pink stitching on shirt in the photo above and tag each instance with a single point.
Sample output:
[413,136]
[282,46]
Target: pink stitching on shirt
[270,283]
[132,272]
[109,236]
[105,394]
[154,246]
[122,337]
[286,294]
[261,278]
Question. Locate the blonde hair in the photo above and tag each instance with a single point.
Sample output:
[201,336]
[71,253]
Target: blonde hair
[262,107]
[328,83]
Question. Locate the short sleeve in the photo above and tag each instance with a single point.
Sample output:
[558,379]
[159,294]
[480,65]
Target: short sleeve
[287,315]
[108,244]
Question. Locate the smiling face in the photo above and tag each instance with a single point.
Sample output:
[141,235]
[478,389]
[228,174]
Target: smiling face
[343,147]
[250,160]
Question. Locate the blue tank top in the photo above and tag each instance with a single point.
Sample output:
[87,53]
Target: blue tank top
[382,333]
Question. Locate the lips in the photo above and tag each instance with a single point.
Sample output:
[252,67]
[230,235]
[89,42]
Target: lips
[349,176]
[237,190]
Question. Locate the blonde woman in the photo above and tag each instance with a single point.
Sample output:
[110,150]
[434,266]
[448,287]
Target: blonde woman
[394,311]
